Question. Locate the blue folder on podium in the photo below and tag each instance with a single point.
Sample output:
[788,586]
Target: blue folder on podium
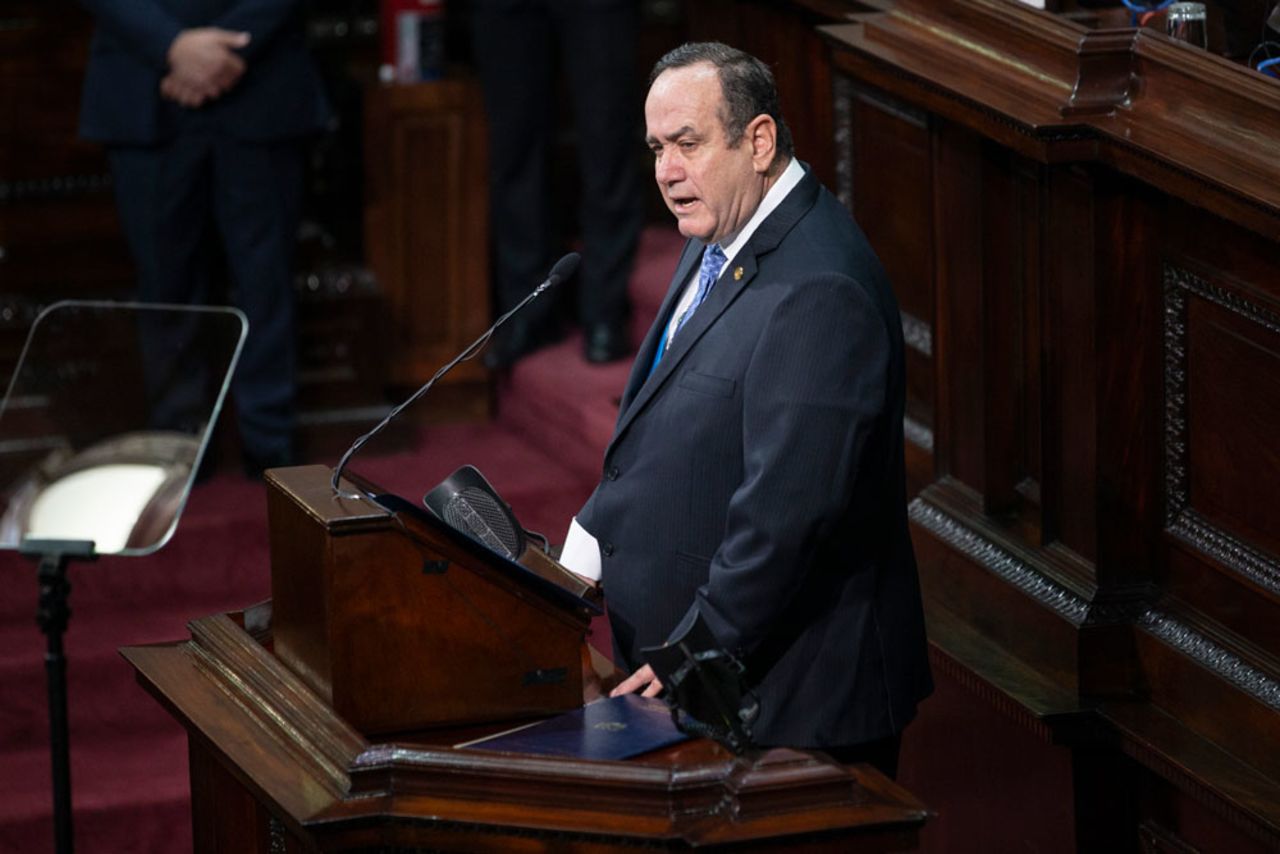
[609,729]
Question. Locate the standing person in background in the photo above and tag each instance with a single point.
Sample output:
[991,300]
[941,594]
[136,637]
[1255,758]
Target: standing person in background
[517,43]
[205,107]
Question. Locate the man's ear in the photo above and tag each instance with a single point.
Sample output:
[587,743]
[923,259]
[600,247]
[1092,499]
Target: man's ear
[762,135]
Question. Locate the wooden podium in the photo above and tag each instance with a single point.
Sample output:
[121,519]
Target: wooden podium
[385,622]
[400,622]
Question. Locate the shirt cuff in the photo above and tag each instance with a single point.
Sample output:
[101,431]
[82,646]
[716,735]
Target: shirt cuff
[581,553]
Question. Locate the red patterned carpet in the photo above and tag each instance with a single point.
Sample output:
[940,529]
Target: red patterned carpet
[128,757]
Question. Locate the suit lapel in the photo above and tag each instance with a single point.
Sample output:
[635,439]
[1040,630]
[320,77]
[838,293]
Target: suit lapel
[689,257]
[727,288]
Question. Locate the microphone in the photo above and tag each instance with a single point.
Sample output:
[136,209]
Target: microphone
[563,269]
[466,501]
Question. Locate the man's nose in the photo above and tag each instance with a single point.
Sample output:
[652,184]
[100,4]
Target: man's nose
[667,170]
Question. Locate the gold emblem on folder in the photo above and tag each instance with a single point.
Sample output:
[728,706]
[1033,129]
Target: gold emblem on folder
[610,726]
[737,274]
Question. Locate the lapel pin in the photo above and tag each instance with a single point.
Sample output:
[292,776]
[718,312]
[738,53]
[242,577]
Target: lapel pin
[737,274]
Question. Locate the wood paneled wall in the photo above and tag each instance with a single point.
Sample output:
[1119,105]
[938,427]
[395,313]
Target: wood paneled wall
[426,230]
[1083,231]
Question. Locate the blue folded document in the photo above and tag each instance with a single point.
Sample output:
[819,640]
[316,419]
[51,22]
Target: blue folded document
[613,728]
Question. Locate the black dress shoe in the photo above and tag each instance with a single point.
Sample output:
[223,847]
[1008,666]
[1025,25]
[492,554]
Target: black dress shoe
[606,342]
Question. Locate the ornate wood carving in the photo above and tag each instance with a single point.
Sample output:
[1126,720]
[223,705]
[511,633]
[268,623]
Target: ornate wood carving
[1213,656]
[917,434]
[1181,519]
[917,334]
[997,560]
[54,187]
[1157,839]
[1106,79]
[842,113]
[1009,72]
[278,839]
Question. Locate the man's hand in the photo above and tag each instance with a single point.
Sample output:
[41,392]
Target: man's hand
[643,678]
[203,65]
[186,95]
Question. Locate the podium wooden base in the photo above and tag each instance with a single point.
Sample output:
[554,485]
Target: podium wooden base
[275,769]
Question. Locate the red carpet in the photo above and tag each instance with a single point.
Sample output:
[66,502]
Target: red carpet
[128,757]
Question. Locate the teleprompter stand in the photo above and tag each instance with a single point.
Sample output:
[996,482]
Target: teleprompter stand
[52,615]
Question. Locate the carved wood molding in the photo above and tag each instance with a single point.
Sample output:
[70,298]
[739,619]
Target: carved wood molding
[842,89]
[1157,839]
[1206,795]
[1106,80]
[450,835]
[999,561]
[920,42]
[277,837]
[56,187]
[1181,520]
[917,334]
[1030,132]
[998,699]
[685,802]
[1112,606]
[1134,100]
[917,433]
[1213,656]
[277,700]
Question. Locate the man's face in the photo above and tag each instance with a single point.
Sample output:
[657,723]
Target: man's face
[711,187]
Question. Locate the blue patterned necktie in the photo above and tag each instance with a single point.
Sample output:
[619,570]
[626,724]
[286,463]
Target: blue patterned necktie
[712,262]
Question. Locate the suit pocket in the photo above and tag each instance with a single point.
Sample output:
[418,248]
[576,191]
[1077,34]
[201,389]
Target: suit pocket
[707,384]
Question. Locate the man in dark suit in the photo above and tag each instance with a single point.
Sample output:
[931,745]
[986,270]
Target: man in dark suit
[755,479]
[205,106]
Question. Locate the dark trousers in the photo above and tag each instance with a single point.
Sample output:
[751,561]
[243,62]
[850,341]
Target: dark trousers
[180,199]
[516,45]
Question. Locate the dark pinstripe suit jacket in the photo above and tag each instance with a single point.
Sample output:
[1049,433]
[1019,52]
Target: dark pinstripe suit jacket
[757,477]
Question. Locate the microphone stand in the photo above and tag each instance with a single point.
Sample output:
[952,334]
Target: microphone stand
[563,269]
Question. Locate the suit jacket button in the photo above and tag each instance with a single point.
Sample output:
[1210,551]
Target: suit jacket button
[612,474]
[607,548]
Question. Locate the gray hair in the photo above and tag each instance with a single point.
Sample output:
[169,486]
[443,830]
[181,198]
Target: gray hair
[746,85]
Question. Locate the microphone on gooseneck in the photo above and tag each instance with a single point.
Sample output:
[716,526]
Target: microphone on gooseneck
[563,269]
